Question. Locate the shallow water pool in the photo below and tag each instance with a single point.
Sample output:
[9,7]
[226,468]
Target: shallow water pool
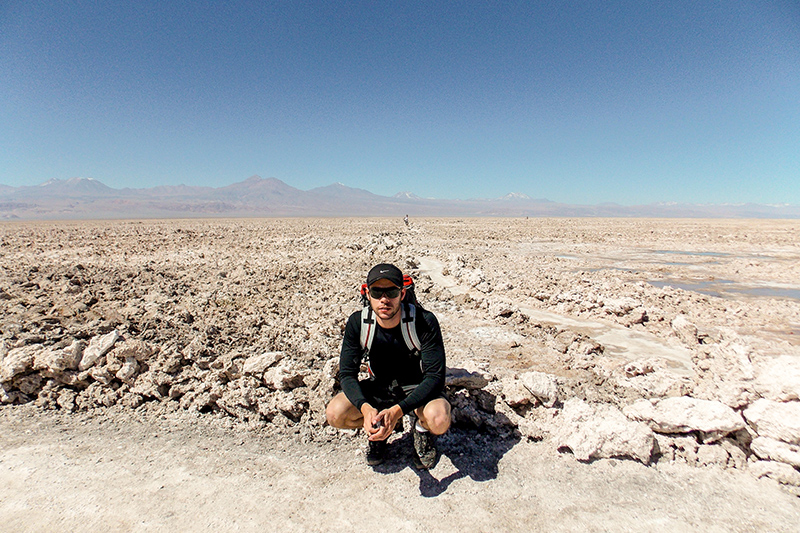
[724,288]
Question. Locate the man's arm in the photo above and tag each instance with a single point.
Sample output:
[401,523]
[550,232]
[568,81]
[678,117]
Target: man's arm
[433,363]
[350,361]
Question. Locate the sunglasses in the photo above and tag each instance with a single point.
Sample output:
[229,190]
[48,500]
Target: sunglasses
[378,292]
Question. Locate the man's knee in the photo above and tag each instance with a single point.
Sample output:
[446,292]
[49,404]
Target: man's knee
[439,423]
[339,412]
[437,416]
[334,413]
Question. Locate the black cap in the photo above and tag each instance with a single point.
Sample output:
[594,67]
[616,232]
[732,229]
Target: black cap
[385,271]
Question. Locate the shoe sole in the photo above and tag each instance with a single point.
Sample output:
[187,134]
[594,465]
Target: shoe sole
[422,466]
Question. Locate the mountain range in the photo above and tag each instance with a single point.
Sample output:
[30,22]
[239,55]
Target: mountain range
[88,198]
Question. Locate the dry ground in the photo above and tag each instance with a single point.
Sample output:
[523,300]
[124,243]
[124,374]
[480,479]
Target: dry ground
[149,471]
[506,292]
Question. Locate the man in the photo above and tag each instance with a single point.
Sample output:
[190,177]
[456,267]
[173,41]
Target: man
[401,381]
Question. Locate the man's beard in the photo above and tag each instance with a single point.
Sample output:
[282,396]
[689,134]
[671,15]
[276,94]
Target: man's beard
[391,316]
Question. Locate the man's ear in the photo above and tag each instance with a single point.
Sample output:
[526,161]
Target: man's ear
[402,294]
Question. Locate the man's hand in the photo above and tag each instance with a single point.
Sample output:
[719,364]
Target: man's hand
[386,420]
[371,421]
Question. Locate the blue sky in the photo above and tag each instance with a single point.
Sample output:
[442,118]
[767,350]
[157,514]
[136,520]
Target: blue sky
[580,102]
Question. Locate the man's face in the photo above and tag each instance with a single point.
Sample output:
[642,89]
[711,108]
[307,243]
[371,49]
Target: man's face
[386,308]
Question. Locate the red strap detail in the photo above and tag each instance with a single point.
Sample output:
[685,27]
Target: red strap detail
[366,339]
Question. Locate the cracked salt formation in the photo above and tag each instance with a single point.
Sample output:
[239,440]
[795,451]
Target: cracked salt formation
[245,317]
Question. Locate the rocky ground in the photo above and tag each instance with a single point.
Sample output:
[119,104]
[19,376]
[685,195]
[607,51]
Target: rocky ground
[594,366]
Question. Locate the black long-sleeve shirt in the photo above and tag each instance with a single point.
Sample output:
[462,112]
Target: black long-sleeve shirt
[391,361]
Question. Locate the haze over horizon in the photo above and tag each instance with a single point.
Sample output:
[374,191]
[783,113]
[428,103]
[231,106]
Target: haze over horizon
[693,102]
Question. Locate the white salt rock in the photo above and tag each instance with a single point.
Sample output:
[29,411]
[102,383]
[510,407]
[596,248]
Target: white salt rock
[98,347]
[600,431]
[780,421]
[684,414]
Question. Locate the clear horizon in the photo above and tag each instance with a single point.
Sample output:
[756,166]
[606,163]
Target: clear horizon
[688,102]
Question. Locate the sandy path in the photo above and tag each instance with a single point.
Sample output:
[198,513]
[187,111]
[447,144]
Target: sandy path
[137,471]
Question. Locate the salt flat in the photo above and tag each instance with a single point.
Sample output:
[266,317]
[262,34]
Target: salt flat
[584,303]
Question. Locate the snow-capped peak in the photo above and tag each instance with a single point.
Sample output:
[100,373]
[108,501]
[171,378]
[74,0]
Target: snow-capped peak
[516,196]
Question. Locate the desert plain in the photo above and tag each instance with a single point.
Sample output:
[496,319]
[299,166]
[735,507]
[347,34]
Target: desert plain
[605,375]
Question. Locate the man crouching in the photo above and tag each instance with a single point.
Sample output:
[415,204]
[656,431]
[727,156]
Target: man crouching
[401,345]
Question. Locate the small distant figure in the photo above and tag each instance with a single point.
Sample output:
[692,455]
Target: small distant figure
[405,219]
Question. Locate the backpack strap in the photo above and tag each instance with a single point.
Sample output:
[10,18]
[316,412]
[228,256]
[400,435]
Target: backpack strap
[408,326]
[368,327]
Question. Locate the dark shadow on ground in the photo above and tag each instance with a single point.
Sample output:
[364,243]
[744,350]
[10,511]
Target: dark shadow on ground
[474,453]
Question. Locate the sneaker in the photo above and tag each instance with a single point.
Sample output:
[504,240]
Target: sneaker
[425,453]
[376,452]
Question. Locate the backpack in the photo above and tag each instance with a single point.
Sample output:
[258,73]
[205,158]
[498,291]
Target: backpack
[408,322]
[408,285]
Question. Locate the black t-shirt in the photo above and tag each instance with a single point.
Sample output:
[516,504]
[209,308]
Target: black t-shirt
[393,364]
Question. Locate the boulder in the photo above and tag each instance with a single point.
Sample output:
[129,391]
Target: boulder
[464,379]
[775,450]
[466,410]
[283,377]
[473,278]
[129,369]
[543,386]
[59,360]
[684,414]
[152,384]
[18,361]
[515,394]
[98,347]
[780,421]
[257,364]
[598,431]
[779,379]
[136,349]
[238,400]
